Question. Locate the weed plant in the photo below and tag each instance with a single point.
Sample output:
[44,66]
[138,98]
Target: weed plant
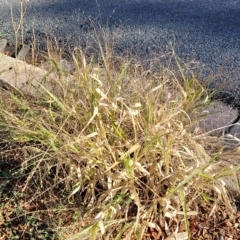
[107,154]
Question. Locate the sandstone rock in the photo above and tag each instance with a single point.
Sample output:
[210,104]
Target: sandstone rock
[25,77]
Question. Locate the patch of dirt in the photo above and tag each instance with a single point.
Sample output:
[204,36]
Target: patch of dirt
[220,225]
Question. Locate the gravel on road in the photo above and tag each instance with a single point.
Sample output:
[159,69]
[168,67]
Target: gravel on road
[204,34]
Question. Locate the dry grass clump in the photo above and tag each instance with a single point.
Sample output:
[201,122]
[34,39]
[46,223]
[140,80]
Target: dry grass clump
[114,150]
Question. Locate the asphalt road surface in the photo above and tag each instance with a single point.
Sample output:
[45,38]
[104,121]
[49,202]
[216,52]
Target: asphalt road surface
[205,34]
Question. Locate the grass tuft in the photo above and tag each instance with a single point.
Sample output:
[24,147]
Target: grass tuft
[116,153]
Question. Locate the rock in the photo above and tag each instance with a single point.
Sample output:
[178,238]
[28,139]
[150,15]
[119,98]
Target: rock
[219,120]
[23,52]
[27,78]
